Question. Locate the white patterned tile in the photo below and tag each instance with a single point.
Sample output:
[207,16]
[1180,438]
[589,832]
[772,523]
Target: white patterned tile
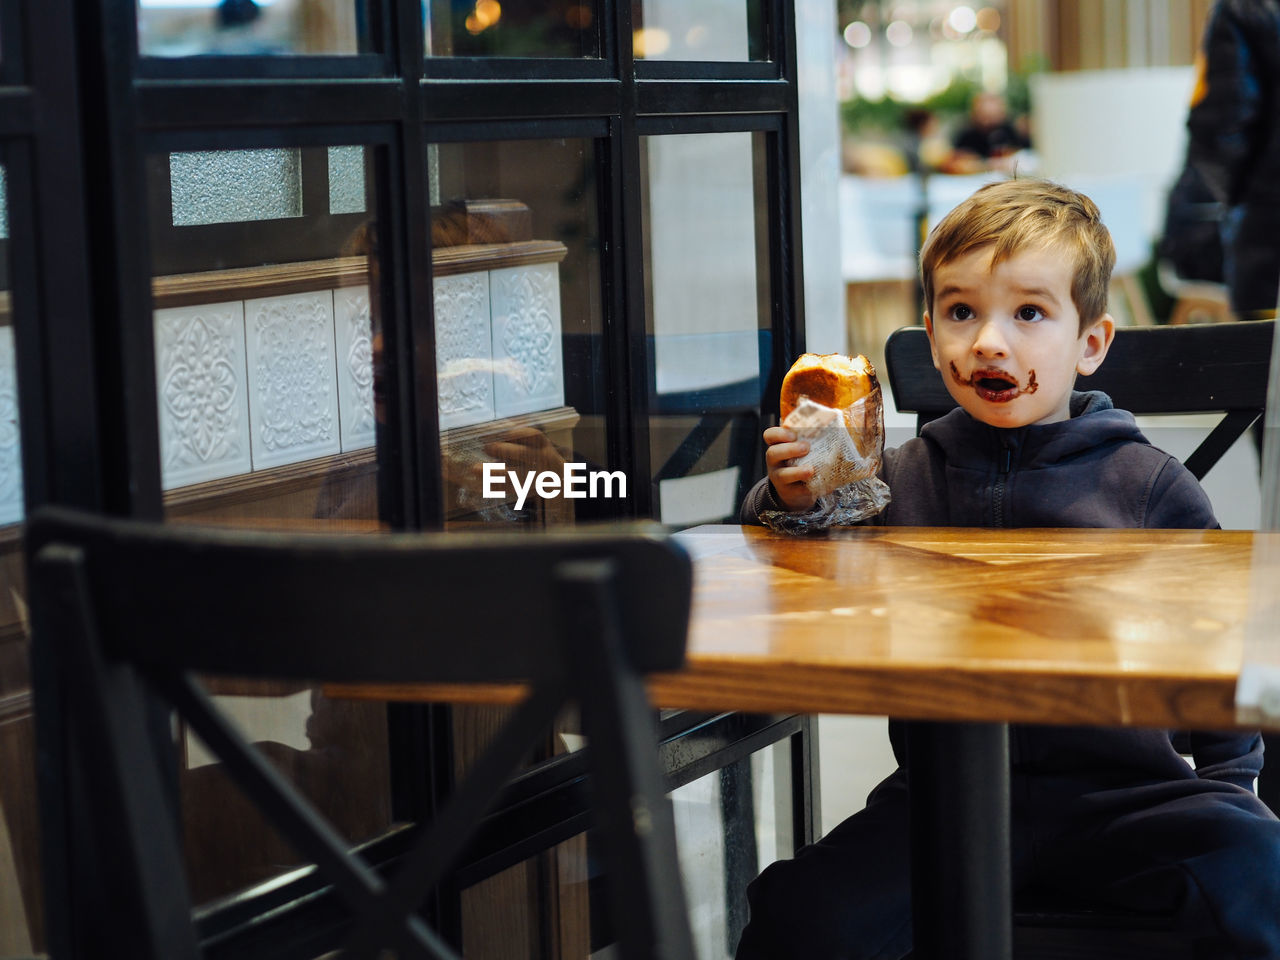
[464,353]
[201,396]
[528,362]
[293,380]
[354,338]
[11,500]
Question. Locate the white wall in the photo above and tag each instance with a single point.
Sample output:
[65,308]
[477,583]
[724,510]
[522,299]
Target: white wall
[1099,124]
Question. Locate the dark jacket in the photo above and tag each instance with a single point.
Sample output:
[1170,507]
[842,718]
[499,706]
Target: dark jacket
[987,142]
[1234,128]
[1093,470]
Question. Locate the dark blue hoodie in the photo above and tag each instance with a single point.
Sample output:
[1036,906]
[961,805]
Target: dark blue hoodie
[1095,469]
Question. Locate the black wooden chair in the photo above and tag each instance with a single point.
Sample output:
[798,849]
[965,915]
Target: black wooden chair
[1219,368]
[1198,368]
[580,617]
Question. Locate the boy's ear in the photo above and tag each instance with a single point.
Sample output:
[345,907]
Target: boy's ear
[933,347]
[1096,341]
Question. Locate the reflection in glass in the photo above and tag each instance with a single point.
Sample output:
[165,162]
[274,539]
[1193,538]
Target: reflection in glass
[512,28]
[185,28]
[538,908]
[11,498]
[265,332]
[21,904]
[730,824]
[708,295]
[520,380]
[698,30]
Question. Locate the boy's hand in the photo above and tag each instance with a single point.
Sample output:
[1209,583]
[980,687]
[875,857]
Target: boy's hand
[788,482]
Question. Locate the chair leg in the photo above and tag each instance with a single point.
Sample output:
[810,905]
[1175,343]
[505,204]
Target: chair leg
[1136,299]
[638,827]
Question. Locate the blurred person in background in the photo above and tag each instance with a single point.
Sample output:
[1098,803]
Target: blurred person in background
[1192,239]
[989,140]
[1234,127]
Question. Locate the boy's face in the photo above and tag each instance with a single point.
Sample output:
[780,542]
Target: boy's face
[1007,340]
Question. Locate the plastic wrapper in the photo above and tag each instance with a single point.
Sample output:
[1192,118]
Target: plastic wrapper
[845,449]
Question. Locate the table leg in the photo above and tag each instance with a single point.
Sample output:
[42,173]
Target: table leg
[960,856]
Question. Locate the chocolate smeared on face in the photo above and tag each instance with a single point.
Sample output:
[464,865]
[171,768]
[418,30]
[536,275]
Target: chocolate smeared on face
[995,385]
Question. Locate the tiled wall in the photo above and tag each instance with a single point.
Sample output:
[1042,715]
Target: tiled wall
[498,351]
[248,384]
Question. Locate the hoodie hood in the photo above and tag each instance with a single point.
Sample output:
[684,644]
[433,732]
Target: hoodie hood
[1094,422]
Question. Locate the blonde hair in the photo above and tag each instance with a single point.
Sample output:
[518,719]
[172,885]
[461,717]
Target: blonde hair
[1015,215]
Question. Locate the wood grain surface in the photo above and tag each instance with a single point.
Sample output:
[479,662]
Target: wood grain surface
[1113,627]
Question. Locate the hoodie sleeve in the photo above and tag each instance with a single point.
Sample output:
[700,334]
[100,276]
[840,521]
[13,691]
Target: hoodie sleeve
[1233,757]
[759,498]
[1176,501]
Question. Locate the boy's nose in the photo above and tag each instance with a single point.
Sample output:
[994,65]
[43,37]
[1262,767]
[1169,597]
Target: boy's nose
[990,342]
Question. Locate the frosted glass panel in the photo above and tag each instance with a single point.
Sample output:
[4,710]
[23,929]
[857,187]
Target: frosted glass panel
[346,180]
[231,186]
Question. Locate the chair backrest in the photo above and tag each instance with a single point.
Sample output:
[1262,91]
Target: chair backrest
[578,616]
[1220,367]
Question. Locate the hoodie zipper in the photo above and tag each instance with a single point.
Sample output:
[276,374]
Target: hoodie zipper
[1002,479]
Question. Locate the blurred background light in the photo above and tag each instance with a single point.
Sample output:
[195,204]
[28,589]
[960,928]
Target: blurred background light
[963,19]
[899,33]
[857,34]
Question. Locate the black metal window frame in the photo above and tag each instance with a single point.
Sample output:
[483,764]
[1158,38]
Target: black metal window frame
[82,295]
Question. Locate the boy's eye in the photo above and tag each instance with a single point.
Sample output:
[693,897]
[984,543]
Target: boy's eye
[1029,313]
[961,312]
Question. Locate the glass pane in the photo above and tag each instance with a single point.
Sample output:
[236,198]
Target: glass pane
[512,28]
[519,361]
[700,30]
[730,825]
[186,28]
[266,325]
[21,897]
[707,280]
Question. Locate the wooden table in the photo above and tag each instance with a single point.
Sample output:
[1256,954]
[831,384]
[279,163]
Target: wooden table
[1110,627]
[1116,627]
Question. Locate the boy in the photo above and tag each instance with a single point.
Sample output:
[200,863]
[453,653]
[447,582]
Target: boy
[1015,282]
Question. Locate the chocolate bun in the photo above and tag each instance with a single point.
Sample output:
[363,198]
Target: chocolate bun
[830,379]
[847,384]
